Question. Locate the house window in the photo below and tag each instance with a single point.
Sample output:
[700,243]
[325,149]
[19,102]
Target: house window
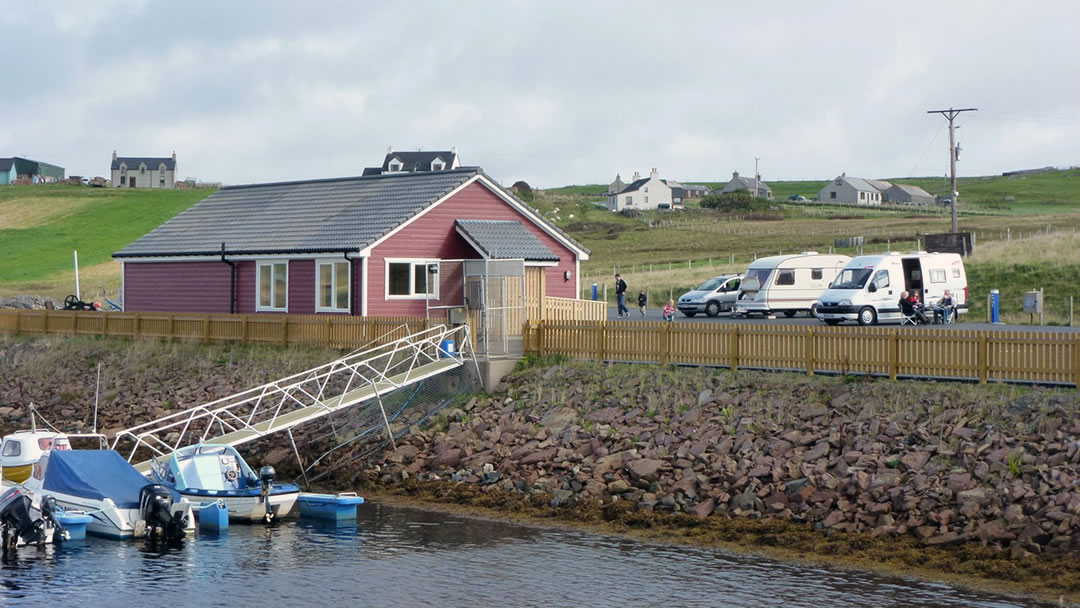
[273,282]
[437,166]
[646,188]
[862,195]
[395,166]
[161,180]
[937,275]
[410,279]
[629,200]
[123,180]
[646,200]
[786,277]
[817,274]
[839,181]
[333,287]
[142,170]
[832,195]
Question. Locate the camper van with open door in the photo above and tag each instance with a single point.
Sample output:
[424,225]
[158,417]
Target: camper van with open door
[787,284]
[868,289]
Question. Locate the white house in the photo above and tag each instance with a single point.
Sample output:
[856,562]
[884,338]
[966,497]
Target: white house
[143,171]
[642,193]
[753,185]
[416,162]
[845,189]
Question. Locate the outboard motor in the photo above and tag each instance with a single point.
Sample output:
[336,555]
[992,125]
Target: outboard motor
[155,504]
[48,518]
[16,525]
[266,479]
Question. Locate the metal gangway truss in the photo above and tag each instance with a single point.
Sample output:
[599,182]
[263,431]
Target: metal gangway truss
[288,402]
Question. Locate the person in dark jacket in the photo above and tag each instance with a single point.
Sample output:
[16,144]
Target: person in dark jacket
[642,301]
[620,295]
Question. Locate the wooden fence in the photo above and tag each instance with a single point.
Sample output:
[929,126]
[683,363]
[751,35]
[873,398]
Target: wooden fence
[571,309]
[335,331]
[982,355]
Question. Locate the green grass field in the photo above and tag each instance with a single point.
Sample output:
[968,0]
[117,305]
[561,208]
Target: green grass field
[42,225]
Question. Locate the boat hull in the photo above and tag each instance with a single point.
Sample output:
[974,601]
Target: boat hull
[246,508]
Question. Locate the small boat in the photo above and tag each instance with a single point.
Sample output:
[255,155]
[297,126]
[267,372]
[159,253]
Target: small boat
[121,502]
[208,472]
[21,449]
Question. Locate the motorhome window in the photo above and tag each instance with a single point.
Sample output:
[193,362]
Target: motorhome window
[956,273]
[881,279]
[852,278]
[12,448]
[786,277]
[758,274]
[937,275]
[709,285]
[816,274]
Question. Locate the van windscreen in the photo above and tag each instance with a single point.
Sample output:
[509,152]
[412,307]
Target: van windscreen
[851,278]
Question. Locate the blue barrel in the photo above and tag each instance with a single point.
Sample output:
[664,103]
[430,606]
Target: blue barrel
[595,293]
[995,306]
[446,349]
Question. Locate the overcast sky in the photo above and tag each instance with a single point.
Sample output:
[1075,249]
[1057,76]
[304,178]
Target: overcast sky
[554,93]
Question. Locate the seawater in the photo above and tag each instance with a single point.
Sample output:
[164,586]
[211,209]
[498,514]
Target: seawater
[397,556]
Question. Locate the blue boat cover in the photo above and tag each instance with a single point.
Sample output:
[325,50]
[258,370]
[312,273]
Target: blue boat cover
[94,474]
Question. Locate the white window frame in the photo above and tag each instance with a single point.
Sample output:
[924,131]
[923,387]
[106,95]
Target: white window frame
[438,164]
[269,263]
[333,285]
[956,273]
[937,275]
[395,166]
[412,278]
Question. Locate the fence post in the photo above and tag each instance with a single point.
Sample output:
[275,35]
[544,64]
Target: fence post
[809,351]
[601,330]
[894,354]
[733,347]
[206,329]
[284,330]
[172,326]
[328,332]
[984,358]
[665,345]
[244,329]
[135,332]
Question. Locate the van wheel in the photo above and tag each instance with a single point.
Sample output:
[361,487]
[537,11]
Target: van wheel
[790,313]
[867,316]
[712,309]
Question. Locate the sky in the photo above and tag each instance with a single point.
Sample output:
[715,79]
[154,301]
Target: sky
[553,93]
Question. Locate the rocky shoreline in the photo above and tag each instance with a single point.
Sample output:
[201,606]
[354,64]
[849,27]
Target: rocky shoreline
[944,464]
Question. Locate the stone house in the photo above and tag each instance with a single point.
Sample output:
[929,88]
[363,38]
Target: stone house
[143,171]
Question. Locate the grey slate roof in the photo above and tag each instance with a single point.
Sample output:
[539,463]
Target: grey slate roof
[5,164]
[152,162]
[878,184]
[418,161]
[635,185]
[912,190]
[328,215]
[505,239]
[859,183]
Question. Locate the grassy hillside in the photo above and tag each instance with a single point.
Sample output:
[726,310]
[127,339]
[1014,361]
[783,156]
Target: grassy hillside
[42,225]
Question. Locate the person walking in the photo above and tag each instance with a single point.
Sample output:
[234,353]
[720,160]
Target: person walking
[642,301]
[620,295]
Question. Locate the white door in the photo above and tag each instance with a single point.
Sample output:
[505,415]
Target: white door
[885,296]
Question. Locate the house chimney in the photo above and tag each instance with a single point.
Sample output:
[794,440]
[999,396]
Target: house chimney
[453,150]
[637,176]
[114,154]
[653,174]
[734,175]
[389,149]
[174,155]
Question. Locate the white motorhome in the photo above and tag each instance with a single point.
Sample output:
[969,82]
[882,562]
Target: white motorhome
[787,283]
[868,289]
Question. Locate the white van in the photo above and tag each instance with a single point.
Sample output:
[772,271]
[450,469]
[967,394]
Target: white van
[868,289]
[787,283]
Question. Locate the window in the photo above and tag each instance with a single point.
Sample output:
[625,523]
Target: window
[839,181]
[832,195]
[410,279]
[646,200]
[273,285]
[161,180]
[437,166]
[142,170]
[12,448]
[646,188]
[334,287]
[785,277]
[862,195]
[956,273]
[395,166]
[937,275]
[817,274]
[881,279]
[123,180]
[629,200]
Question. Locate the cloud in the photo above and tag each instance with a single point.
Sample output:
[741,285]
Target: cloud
[550,93]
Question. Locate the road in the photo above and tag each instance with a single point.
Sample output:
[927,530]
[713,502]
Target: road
[653,314]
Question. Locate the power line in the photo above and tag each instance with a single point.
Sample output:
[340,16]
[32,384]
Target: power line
[951,115]
[932,140]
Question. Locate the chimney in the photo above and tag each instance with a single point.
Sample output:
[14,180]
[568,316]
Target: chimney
[653,174]
[389,149]
[637,176]
[174,155]
[734,175]
[114,154]
[453,150]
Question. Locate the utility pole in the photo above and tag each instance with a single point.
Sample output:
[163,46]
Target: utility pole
[951,115]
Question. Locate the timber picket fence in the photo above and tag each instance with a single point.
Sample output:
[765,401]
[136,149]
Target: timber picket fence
[957,354]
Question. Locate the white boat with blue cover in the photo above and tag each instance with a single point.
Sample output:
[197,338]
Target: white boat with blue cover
[120,502]
[209,472]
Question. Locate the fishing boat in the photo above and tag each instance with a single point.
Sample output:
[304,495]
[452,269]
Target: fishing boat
[208,472]
[121,502]
[22,449]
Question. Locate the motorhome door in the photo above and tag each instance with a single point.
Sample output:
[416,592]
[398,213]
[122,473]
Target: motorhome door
[883,294]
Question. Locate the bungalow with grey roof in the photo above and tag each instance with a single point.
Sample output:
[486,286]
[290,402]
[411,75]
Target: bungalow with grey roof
[845,189]
[753,185]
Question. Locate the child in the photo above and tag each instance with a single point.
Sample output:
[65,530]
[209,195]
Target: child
[669,311]
[642,300]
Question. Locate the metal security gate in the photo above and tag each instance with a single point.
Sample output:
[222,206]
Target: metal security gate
[495,300]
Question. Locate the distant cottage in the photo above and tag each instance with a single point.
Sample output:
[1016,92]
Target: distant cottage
[860,191]
[753,185]
[642,193]
[143,171]
[416,162]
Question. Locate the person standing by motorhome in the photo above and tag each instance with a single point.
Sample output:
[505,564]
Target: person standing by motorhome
[620,295]
[642,301]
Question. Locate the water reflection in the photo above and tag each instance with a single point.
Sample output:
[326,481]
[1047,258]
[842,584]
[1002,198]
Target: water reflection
[408,557]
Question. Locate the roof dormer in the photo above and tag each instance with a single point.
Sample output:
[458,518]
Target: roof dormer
[438,164]
[395,165]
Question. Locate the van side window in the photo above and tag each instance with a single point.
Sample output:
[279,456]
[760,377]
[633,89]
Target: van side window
[816,274]
[937,275]
[881,279]
[786,277]
[956,273]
